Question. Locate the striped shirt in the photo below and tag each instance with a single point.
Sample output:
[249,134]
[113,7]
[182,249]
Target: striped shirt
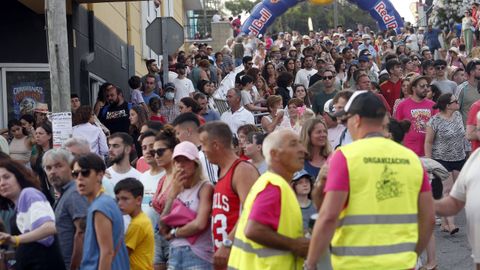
[33,210]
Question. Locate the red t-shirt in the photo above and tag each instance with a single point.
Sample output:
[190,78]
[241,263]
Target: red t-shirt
[142,165]
[338,177]
[391,91]
[418,113]
[226,206]
[267,207]
[159,118]
[472,121]
[385,103]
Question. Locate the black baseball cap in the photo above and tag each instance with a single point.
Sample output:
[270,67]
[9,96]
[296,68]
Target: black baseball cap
[169,86]
[365,104]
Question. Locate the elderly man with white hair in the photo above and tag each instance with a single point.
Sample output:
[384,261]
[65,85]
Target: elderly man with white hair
[70,207]
[269,232]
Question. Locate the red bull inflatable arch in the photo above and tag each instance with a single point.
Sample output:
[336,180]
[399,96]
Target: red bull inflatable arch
[265,13]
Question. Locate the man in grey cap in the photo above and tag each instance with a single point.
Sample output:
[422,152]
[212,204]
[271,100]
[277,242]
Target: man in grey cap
[168,109]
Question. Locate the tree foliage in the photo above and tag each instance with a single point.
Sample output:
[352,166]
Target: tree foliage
[296,18]
[240,6]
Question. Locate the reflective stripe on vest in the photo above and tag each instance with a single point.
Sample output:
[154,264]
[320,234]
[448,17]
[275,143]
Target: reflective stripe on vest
[260,252]
[372,251]
[377,219]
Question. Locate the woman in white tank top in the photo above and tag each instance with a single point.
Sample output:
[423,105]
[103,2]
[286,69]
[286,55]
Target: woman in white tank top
[21,144]
[192,190]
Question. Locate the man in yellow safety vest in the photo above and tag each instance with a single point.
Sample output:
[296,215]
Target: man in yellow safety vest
[378,208]
[269,232]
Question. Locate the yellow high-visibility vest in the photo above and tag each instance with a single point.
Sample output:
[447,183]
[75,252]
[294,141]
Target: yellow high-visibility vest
[378,229]
[249,255]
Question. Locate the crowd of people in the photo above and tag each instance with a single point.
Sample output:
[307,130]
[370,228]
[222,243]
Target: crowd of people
[330,150]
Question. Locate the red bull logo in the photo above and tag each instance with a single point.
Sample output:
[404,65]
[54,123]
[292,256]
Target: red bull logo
[389,20]
[257,25]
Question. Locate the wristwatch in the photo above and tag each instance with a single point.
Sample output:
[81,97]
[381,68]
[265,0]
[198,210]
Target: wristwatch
[227,243]
[173,232]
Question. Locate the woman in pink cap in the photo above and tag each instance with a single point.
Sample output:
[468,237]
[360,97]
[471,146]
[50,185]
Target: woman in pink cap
[194,191]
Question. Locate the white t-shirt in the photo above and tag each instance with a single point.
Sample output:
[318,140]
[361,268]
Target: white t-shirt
[117,177]
[334,135]
[183,88]
[466,189]
[239,118]
[150,184]
[303,76]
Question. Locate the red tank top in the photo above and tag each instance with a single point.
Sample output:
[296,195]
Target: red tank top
[226,207]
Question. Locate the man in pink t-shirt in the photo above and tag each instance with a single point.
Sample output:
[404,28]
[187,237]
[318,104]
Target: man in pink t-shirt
[418,110]
[473,130]
[266,209]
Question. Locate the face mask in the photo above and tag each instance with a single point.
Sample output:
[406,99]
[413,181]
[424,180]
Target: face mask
[169,95]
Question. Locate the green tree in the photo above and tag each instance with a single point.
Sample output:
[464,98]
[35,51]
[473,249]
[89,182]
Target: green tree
[239,6]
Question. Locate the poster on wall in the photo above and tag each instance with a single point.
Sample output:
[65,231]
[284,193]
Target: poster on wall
[25,89]
[25,97]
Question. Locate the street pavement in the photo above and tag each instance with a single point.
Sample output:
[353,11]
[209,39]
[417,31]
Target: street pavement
[453,252]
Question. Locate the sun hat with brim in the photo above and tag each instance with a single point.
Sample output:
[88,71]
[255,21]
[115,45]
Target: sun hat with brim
[186,149]
[455,50]
[365,104]
[41,107]
[424,48]
[300,174]
[415,80]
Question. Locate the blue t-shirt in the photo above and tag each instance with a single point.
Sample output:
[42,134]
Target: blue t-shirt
[211,115]
[147,98]
[312,170]
[91,251]
[432,39]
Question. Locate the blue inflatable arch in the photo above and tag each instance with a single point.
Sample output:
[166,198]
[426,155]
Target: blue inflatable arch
[265,13]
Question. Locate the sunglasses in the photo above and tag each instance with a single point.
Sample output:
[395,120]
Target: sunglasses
[83,172]
[440,67]
[422,85]
[158,151]
[328,77]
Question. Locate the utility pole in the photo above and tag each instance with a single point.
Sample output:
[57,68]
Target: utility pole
[55,11]
[335,14]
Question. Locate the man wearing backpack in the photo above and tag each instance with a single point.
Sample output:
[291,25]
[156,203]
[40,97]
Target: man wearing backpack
[115,115]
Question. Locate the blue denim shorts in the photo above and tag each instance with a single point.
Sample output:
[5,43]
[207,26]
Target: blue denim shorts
[183,258]
[161,249]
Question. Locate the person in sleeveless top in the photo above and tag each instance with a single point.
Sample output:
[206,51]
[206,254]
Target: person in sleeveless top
[165,142]
[33,225]
[21,145]
[190,188]
[273,120]
[104,240]
[236,177]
